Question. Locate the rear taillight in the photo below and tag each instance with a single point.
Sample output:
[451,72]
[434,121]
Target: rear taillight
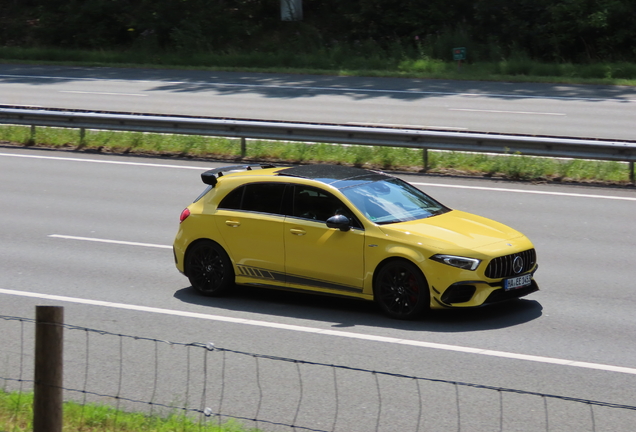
[184,215]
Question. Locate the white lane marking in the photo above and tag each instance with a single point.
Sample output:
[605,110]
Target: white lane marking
[104,161]
[620,198]
[414,183]
[102,93]
[392,125]
[327,332]
[28,106]
[212,84]
[506,112]
[120,242]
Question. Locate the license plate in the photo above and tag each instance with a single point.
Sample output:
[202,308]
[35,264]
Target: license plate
[518,282]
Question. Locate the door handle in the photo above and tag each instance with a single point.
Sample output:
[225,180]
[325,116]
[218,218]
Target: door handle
[298,232]
[232,223]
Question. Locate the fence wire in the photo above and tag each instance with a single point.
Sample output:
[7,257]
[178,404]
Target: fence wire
[213,384]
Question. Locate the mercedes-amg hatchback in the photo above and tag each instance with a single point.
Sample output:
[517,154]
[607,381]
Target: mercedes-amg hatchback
[351,232]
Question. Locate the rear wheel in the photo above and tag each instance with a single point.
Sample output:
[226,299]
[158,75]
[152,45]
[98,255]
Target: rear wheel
[401,290]
[209,269]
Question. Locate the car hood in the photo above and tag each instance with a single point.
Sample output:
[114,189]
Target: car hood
[453,230]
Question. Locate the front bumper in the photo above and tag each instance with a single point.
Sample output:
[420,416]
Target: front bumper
[500,295]
[478,293]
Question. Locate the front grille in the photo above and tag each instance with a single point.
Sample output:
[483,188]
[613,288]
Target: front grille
[502,267]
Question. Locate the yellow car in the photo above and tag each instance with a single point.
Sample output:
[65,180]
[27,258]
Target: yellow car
[351,232]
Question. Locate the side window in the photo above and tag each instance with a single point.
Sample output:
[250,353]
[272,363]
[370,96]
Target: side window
[263,197]
[256,197]
[232,201]
[319,205]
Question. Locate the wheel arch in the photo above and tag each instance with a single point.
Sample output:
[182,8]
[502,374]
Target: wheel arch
[398,293]
[196,242]
[391,259]
[396,252]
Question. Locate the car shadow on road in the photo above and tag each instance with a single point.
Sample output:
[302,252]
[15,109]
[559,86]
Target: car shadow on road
[345,313]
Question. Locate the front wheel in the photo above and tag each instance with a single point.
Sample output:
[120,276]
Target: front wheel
[209,269]
[401,290]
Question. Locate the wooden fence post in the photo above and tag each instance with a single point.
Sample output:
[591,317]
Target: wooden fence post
[47,389]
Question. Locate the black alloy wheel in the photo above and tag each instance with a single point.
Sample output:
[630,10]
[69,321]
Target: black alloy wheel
[401,290]
[209,269]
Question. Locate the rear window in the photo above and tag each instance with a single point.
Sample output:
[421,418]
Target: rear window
[207,189]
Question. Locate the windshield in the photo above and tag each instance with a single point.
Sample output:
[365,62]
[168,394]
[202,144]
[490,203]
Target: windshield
[391,201]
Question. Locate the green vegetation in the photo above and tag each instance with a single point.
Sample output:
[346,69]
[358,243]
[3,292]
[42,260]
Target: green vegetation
[586,41]
[582,31]
[517,167]
[16,415]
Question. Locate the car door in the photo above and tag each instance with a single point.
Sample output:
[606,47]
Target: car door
[317,257]
[251,223]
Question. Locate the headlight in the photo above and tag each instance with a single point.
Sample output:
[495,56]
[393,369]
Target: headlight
[457,261]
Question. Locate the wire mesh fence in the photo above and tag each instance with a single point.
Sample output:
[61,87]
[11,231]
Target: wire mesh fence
[211,384]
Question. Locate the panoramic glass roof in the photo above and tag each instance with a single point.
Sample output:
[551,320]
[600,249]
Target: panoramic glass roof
[335,175]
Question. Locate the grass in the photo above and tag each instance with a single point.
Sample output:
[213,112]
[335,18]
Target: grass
[363,60]
[513,166]
[16,415]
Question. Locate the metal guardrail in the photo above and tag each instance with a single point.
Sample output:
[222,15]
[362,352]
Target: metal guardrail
[623,151]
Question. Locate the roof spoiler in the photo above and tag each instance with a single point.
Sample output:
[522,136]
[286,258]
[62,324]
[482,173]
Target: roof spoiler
[210,177]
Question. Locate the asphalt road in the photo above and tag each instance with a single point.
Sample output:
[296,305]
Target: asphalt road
[93,233]
[535,109]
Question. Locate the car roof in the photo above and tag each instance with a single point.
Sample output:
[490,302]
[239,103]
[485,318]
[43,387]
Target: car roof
[337,176]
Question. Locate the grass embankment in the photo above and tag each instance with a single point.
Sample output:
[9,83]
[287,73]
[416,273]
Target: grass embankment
[16,415]
[357,60]
[513,167]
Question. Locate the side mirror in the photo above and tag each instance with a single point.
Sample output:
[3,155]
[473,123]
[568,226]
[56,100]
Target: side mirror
[340,222]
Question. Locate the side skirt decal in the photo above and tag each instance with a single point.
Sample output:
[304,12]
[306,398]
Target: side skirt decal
[272,276]
[259,273]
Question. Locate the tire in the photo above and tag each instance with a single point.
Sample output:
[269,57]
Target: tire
[209,268]
[401,290]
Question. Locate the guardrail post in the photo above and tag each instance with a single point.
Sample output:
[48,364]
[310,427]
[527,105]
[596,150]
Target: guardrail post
[632,175]
[243,147]
[82,136]
[425,159]
[47,390]
[32,136]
